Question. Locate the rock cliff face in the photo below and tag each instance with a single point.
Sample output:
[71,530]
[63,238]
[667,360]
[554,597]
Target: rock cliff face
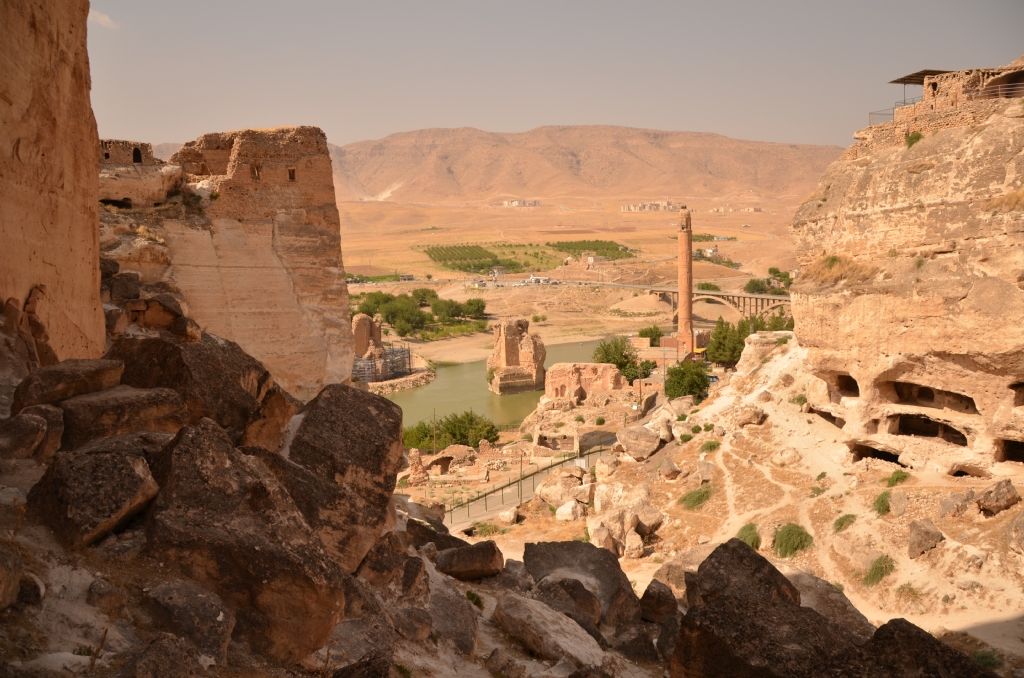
[255,251]
[912,286]
[48,179]
[517,362]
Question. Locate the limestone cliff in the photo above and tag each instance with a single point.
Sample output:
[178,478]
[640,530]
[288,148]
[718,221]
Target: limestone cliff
[912,292]
[48,182]
[254,251]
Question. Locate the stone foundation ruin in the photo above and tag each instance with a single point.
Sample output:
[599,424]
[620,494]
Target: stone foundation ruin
[517,362]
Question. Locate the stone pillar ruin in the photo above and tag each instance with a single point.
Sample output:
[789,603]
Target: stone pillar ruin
[686,280]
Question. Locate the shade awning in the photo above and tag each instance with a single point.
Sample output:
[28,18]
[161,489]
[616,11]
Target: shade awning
[916,78]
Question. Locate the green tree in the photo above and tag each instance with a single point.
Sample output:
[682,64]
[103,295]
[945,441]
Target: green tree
[720,347]
[687,378]
[640,370]
[616,351]
[403,308]
[373,301]
[779,322]
[423,295]
[708,287]
[468,428]
[474,308]
[756,286]
[653,333]
[446,310]
[782,277]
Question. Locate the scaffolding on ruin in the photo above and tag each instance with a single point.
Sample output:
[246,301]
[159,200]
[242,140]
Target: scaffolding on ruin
[397,362]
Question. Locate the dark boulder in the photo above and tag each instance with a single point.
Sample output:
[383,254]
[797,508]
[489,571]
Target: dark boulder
[422,532]
[21,435]
[586,611]
[657,602]
[924,536]
[51,384]
[737,570]
[166,657]
[51,442]
[270,421]
[192,612]
[471,562]
[118,410]
[390,570]
[636,644]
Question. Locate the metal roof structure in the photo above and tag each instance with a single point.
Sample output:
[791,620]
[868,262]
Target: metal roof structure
[916,78]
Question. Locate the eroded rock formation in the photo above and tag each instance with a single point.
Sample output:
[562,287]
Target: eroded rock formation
[912,278]
[517,362]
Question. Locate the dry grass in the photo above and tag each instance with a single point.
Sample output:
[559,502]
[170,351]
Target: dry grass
[831,270]
[1010,202]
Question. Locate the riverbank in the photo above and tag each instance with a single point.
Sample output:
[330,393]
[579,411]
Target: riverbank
[475,347]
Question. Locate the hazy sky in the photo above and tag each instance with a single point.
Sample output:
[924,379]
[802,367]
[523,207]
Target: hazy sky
[804,71]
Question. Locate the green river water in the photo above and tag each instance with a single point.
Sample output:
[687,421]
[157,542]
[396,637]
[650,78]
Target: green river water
[458,388]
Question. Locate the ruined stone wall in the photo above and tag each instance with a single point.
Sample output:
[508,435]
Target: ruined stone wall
[517,362]
[913,293]
[48,182]
[118,152]
[576,381]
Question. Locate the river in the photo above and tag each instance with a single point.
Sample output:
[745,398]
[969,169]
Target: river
[462,387]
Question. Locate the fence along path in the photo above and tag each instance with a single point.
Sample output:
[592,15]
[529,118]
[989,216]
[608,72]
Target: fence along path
[513,493]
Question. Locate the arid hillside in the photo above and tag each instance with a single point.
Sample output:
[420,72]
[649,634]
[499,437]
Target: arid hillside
[470,165]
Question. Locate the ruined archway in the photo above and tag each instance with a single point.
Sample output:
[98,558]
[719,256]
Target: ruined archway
[136,156]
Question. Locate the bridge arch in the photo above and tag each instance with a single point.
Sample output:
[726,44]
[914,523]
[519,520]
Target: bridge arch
[721,300]
[768,311]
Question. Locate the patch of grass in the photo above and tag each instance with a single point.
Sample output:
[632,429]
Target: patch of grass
[817,491]
[694,411]
[791,539]
[709,427]
[559,424]
[681,417]
[881,503]
[799,399]
[988,659]
[486,529]
[552,509]
[695,429]
[880,569]
[475,598]
[579,418]
[685,438]
[749,535]
[781,341]
[710,446]
[404,482]
[919,262]
[907,593]
[696,498]
[1013,201]
[913,138]
[599,421]
[838,585]
[821,476]
[403,671]
[834,269]
[585,537]
[896,478]
[526,436]
[843,522]
[893,253]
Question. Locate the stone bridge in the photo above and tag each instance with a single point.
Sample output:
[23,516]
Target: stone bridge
[747,305]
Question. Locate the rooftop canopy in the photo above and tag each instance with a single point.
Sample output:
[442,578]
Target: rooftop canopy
[916,78]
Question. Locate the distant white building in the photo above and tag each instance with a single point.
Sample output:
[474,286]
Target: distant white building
[518,202]
[656,206]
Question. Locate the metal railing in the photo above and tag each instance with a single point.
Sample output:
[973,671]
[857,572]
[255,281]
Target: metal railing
[1011,90]
[514,490]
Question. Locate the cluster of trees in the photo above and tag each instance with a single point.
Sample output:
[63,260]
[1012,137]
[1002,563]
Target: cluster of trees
[604,248]
[619,352]
[687,378]
[777,282]
[467,428]
[708,287]
[727,340]
[653,333]
[404,311]
[470,259]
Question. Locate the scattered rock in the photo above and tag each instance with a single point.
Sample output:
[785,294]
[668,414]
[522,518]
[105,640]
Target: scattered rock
[556,488]
[955,503]
[10,576]
[570,510]
[412,623]
[513,576]
[669,469]
[571,598]
[421,532]
[54,417]
[123,286]
[898,503]
[657,603]
[584,494]
[362,648]
[924,536]
[668,635]
[67,379]
[634,643]
[1015,533]
[83,497]
[122,409]
[596,566]
[107,597]
[191,612]
[673,573]
[166,657]
[633,546]
[785,458]
[544,632]
[453,618]
[224,521]
[997,497]
[21,436]
[705,471]
[508,516]
[389,569]
[750,416]
[703,539]
[270,420]
[108,268]
[499,662]
[476,561]
[649,520]
[638,441]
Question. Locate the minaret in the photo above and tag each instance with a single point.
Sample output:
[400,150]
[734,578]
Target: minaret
[686,280]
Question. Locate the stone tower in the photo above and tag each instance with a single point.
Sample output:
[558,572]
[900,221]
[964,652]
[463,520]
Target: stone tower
[686,280]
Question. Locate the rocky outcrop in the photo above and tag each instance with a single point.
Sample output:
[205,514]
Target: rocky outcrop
[638,442]
[51,384]
[120,410]
[517,362]
[545,632]
[909,279]
[49,187]
[196,614]
[476,561]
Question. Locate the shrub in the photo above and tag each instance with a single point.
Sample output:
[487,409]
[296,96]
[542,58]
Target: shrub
[896,478]
[881,503]
[919,262]
[430,276]
[791,539]
[681,417]
[817,491]
[696,429]
[536,318]
[907,592]
[831,270]
[709,427]
[696,498]
[755,286]
[559,424]
[689,377]
[467,428]
[821,476]
[423,295]
[475,598]
[838,586]
[880,569]
[490,374]
[486,529]
[685,438]
[708,287]
[474,308]
[599,421]
[799,399]
[579,418]
[616,351]
[913,138]
[748,534]
[843,522]
[403,670]
[988,659]
[653,333]
[710,446]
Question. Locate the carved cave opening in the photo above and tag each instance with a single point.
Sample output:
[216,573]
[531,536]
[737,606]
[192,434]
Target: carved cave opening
[136,156]
[291,175]
[1018,394]
[968,470]
[123,203]
[923,427]
[847,386]
[838,422]
[1012,450]
[864,451]
[908,393]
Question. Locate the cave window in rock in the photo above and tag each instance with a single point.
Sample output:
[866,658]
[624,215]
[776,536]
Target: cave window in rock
[847,386]
[1013,450]
[254,171]
[106,156]
[968,470]
[124,203]
[923,427]
[1018,394]
[908,393]
[864,451]
[291,174]
[838,422]
[136,156]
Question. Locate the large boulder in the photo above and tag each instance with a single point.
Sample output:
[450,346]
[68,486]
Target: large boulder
[575,601]
[214,376]
[422,532]
[657,602]
[638,442]
[736,569]
[122,409]
[269,422]
[557,488]
[682,568]
[828,601]
[391,571]
[483,559]
[21,435]
[997,497]
[193,613]
[340,468]
[361,648]
[84,496]
[54,417]
[595,567]
[453,619]
[53,383]
[166,656]
[545,632]
[924,536]
[226,522]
